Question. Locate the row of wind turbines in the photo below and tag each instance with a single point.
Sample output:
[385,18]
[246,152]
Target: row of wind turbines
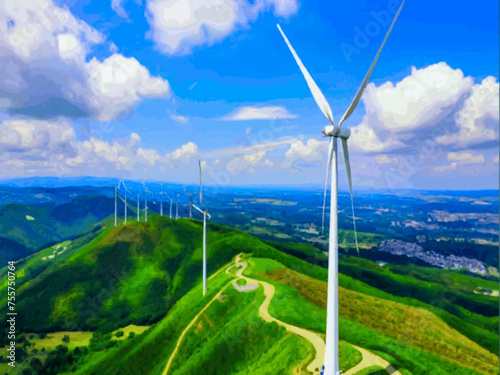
[161,194]
[119,197]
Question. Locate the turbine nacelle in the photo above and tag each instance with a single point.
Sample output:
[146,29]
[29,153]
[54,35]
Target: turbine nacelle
[336,131]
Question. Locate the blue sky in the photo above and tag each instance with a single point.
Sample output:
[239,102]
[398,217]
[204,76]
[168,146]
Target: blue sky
[244,65]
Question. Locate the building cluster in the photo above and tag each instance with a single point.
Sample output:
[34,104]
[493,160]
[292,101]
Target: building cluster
[413,250]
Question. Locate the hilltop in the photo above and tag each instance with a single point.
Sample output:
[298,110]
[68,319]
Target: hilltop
[149,275]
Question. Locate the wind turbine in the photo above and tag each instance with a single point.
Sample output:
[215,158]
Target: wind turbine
[122,183]
[116,206]
[138,208]
[171,202]
[205,216]
[331,363]
[146,192]
[161,201]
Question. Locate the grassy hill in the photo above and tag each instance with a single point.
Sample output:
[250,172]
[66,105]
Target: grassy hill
[30,227]
[150,274]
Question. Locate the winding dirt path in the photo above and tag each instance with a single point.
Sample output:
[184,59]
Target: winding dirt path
[369,360]
[313,338]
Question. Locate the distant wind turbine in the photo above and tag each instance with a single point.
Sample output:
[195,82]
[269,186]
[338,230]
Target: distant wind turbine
[116,206]
[331,363]
[124,200]
[119,197]
[161,201]
[205,216]
[138,207]
[146,192]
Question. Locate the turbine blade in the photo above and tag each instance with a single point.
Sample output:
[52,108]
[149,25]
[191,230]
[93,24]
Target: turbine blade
[328,168]
[349,182]
[198,209]
[361,89]
[316,92]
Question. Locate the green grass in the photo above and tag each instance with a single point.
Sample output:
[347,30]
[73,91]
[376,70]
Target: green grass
[301,301]
[474,315]
[150,273]
[235,340]
[349,356]
[373,370]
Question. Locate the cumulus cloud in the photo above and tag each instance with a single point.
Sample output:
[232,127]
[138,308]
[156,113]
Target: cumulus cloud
[179,118]
[40,147]
[184,153]
[44,71]
[310,151]
[466,158]
[477,120]
[117,83]
[179,25]
[437,104]
[259,113]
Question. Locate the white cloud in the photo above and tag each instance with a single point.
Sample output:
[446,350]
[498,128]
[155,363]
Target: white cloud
[259,113]
[466,158]
[477,120]
[495,159]
[28,136]
[445,168]
[365,138]
[179,25]
[310,151]
[435,104]
[44,71]
[255,158]
[117,6]
[383,159]
[184,153]
[118,82]
[51,148]
[179,118]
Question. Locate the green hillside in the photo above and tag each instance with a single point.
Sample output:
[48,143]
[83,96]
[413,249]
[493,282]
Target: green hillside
[149,274]
[29,227]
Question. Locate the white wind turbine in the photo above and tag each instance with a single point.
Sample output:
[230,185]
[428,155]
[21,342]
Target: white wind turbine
[146,192]
[124,200]
[161,200]
[331,362]
[205,216]
[138,207]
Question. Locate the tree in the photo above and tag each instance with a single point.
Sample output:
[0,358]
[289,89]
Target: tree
[36,364]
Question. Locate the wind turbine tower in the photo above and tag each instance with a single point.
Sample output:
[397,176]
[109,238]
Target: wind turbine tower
[331,362]
[116,206]
[205,216]
[138,208]
[146,192]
